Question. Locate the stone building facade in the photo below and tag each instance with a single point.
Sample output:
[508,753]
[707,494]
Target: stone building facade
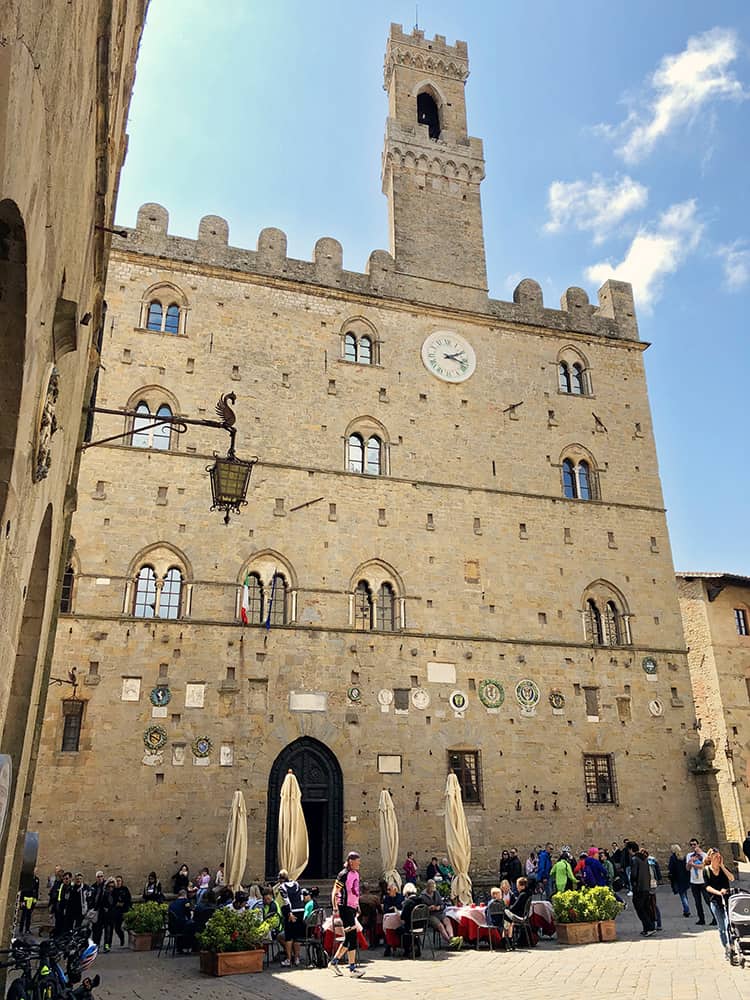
[66,75]
[716,617]
[455,548]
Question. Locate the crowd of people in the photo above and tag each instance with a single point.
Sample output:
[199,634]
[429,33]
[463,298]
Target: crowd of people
[628,869]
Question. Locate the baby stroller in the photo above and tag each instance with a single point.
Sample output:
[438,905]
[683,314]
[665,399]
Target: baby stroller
[738,927]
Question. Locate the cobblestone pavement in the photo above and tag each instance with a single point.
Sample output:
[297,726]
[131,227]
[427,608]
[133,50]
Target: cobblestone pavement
[683,962]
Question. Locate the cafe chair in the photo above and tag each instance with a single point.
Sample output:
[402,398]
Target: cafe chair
[313,939]
[495,908]
[420,922]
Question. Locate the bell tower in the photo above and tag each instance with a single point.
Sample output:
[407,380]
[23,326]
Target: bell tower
[431,168]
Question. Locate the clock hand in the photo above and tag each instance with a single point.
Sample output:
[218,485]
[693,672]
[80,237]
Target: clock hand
[454,357]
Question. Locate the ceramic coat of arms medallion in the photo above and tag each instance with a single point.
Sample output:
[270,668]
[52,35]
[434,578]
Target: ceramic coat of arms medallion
[527,696]
[491,693]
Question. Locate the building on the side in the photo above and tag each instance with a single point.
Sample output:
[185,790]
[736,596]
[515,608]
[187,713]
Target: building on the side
[455,550]
[716,618]
[66,75]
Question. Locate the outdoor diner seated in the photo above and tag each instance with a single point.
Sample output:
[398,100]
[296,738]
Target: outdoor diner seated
[436,907]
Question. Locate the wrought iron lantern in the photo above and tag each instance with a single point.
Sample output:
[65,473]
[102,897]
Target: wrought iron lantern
[230,478]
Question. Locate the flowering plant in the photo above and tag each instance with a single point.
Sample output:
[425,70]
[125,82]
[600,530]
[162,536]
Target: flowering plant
[234,930]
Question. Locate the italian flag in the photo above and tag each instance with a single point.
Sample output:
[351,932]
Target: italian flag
[245,605]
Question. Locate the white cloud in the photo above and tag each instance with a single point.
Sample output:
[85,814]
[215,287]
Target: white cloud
[654,253]
[736,260]
[680,86]
[597,205]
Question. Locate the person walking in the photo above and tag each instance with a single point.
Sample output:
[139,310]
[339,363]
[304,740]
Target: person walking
[78,901]
[28,900]
[640,880]
[746,846]
[63,905]
[694,865]
[717,879]
[561,875]
[543,867]
[345,901]
[107,910]
[95,905]
[123,902]
[679,877]
[292,911]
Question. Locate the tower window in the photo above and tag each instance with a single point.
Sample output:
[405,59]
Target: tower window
[154,316]
[350,347]
[740,621]
[66,595]
[427,114]
[599,778]
[386,608]
[72,717]
[144,603]
[362,607]
[466,766]
[172,319]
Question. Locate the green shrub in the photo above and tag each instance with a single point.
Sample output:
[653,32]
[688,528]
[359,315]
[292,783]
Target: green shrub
[145,918]
[604,903]
[234,930]
[578,906]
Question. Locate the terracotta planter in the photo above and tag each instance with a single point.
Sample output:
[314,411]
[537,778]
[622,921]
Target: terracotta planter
[577,933]
[231,963]
[140,942]
[607,930]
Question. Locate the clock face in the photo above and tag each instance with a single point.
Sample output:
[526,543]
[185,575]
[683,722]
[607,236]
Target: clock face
[448,356]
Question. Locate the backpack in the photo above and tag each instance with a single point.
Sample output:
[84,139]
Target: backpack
[341,880]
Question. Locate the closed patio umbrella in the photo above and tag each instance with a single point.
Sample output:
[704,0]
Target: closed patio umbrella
[235,851]
[293,845]
[388,838]
[457,841]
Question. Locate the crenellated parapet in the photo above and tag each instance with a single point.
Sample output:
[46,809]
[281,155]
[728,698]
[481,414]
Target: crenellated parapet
[613,317]
[433,55]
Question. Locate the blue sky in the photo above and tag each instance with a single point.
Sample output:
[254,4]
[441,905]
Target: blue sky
[617,139]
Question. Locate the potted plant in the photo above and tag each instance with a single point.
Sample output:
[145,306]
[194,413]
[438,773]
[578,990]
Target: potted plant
[575,917]
[232,942]
[143,922]
[606,908]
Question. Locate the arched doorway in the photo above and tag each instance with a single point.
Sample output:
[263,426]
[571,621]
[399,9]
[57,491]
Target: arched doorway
[12,334]
[322,786]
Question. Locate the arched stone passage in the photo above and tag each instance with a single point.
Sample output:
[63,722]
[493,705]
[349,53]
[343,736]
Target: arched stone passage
[24,668]
[12,335]
[319,775]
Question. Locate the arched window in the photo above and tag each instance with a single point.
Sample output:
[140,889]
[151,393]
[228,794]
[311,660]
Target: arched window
[374,456]
[362,607]
[276,614]
[594,623]
[614,631]
[386,608]
[427,114]
[171,591]
[144,602]
[570,489]
[66,594]
[153,322]
[355,461]
[579,476]
[162,435]
[141,438]
[573,376]
[251,606]
[584,481]
[365,351]
[172,319]
[350,347]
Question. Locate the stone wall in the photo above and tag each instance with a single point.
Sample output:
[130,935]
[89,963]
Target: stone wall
[719,659]
[66,74]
